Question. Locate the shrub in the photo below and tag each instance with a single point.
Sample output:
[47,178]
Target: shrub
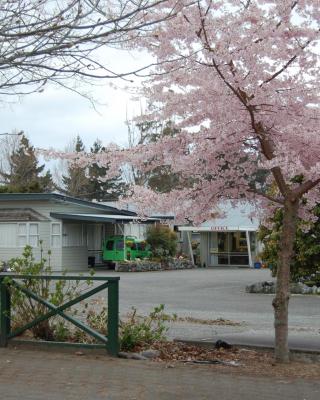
[134,331]
[25,309]
[163,241]
[306,246]
[142,331]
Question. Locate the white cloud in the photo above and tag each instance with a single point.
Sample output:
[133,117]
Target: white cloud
[54,117]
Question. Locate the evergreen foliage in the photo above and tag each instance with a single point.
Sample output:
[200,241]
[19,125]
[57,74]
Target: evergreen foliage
[103,191]
[84,181]
[76,183]
[26,175]
[306,260]
[161,178]
[163,240]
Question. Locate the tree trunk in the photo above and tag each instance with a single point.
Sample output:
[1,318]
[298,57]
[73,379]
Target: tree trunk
[281,300]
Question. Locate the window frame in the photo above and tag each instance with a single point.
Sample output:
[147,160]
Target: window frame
[82,235]
[59,235]
[27,234]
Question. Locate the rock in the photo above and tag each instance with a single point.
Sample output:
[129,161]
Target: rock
[131,356]
[306,290]
[138,356]
[266,287]
[297,288]
[123,354]
[221,344]
[148,265]
[150,353]
[269,287]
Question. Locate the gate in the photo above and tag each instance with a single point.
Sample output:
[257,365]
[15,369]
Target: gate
[110,342]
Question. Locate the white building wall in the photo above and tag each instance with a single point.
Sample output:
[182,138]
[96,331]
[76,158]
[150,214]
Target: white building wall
[66,252]
[72,258]
[13,251]
[75,258]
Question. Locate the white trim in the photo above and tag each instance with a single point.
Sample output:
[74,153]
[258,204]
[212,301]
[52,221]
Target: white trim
[190,247]
[249,248]
[216,228]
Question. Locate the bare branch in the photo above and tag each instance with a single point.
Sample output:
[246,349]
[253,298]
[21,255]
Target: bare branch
[49,41]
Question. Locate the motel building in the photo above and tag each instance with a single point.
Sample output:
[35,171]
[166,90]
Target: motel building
[227,241]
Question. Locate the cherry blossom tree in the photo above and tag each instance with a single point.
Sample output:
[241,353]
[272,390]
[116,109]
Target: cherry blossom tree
[240,79]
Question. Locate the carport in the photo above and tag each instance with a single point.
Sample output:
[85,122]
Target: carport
[87,232]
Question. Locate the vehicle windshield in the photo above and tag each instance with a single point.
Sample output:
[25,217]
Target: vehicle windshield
[119,245]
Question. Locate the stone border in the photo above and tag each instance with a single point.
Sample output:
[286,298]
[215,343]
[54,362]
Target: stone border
[148,265]
[269,287]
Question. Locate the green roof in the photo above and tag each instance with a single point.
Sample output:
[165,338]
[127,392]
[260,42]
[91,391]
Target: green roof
[60,198]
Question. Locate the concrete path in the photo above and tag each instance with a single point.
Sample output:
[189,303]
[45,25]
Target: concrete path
[39,375]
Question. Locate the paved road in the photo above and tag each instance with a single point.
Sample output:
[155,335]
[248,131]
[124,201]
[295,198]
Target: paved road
[218,293]
[37,375]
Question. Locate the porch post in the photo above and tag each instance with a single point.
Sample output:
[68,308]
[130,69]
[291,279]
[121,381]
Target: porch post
[249,249]
[190,246]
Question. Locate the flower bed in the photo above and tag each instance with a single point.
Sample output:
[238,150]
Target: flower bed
[148,265]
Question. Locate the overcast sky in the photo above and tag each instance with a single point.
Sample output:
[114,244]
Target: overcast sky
[52,118]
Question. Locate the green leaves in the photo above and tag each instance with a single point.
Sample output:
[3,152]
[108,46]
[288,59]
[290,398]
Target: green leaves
[57,292]
[163,241]
[306,246]
[142,331]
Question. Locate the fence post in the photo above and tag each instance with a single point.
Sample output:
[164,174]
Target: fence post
[4,313]
[113,318]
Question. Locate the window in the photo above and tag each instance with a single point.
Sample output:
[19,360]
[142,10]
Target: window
[22,235]
[74,235]
[34,235]
[55,234]
[8,235]
[119,245]
[19,234]
[28,233]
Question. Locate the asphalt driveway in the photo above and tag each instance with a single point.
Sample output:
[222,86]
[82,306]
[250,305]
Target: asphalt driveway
[217,293]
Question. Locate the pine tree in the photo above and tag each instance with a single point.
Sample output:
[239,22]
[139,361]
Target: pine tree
[103,191]
[76,182]
[160,179]
[25,175]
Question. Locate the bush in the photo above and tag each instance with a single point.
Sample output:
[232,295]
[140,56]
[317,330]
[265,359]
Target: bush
[134,331]
[142,331]
[163,241]
[306,246]
[24,309]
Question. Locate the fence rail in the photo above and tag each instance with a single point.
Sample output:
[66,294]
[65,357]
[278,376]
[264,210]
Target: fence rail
[111,342]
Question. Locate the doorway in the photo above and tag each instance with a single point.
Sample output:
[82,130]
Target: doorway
[228,249]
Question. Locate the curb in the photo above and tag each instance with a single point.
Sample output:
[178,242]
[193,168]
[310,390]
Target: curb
[296,353]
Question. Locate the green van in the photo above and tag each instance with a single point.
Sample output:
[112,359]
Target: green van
[115,248]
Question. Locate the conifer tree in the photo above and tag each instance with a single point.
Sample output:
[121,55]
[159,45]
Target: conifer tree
[25,174]
[103,191]
[76,183]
